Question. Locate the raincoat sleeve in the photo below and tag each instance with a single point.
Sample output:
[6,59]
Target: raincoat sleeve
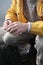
[11,13]
[37,27]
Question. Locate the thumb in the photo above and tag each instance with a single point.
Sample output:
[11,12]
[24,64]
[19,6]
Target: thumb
[9,22]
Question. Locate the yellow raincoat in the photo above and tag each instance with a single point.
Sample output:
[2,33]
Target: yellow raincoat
[15,13]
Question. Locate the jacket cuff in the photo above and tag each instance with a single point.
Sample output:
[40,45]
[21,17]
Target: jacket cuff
[29,26]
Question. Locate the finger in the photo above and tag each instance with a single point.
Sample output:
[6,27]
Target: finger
[13,30]
[10,21]
[11,24]
[11,27]
[5,24]
[18,32]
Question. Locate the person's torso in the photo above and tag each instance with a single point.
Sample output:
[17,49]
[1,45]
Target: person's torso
[30,11]
[30,14]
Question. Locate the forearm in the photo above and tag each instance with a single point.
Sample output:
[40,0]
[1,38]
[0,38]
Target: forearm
[37,28]
[11,14]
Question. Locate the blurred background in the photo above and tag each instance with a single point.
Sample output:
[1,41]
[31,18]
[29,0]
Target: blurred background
[4,5]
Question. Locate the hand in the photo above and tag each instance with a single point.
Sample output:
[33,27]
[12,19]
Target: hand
[7,22]
[17,27]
